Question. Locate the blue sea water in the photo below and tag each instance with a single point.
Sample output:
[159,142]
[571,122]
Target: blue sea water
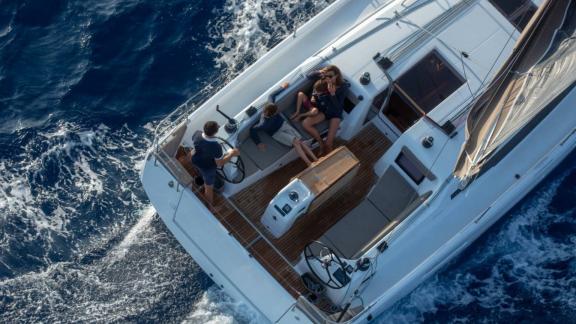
[82,86]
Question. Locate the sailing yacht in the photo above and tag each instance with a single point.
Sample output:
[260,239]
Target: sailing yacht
[455,110]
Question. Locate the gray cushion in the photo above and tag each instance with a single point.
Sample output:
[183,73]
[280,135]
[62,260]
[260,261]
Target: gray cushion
[392,194]
[274,151]
[355,230]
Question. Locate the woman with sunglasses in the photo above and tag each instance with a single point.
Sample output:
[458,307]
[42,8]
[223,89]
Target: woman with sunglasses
[329,106]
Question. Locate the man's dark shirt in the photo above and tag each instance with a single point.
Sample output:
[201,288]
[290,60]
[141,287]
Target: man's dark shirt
[206,151]
[270,125]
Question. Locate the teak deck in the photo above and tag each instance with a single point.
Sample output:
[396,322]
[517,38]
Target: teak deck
[368,146]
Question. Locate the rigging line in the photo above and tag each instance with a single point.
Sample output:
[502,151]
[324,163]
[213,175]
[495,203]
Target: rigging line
[461,55]
[510,34]
[404,19]
[387,22]
[472,94]
[483,86]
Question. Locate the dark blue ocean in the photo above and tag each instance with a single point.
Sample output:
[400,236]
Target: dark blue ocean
[83,84]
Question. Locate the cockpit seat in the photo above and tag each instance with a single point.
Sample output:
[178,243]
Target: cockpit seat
[286,102]
[355,230]
[390,201]
[274,151]
[391,194]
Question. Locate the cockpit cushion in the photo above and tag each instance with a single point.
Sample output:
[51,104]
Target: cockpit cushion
[355,230]
[262,159]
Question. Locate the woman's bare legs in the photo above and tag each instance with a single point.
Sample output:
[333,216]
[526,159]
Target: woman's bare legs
[308,151]
[309,123]
[304,152]
[301,98]
[300,151]
[333,128]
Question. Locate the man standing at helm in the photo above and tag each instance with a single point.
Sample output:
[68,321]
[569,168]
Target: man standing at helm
[208,156]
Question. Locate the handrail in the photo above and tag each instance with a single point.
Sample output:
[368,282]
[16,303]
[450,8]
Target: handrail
[181,112]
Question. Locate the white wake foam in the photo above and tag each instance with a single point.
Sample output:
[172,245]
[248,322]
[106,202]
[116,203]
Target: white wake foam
[247,29]
[60,174]
[215,307]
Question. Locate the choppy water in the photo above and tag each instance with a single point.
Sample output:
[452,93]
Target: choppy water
[83,83]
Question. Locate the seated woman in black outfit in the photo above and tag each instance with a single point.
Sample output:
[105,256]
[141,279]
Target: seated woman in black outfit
[329,107]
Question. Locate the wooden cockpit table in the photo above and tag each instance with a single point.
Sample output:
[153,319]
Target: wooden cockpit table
[330,174]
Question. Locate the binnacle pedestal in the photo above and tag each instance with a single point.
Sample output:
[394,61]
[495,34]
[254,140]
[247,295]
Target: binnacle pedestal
[310,189]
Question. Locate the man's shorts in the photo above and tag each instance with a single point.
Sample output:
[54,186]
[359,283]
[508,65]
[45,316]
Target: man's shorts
[286,134]
[208,175]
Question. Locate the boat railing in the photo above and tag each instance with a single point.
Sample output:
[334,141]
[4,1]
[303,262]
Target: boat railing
[183,111]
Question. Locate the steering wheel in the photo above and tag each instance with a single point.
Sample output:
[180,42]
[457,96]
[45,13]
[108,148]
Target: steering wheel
[326,257]
[236,161]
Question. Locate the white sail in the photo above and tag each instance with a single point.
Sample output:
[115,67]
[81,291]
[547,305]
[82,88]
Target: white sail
[516,104]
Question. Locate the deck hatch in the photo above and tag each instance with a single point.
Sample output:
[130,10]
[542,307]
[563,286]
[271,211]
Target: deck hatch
[410,168]
[430,81]
[518,12]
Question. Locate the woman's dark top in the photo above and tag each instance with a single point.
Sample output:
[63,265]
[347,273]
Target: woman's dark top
[331,106]
[270,125]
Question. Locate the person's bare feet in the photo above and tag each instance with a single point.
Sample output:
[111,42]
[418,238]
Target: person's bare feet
[321,149]
[313,163]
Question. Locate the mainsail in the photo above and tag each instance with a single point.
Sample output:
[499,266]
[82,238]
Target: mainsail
[542,69]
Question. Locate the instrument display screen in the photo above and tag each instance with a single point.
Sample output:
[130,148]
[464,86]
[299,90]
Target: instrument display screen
[341,276]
